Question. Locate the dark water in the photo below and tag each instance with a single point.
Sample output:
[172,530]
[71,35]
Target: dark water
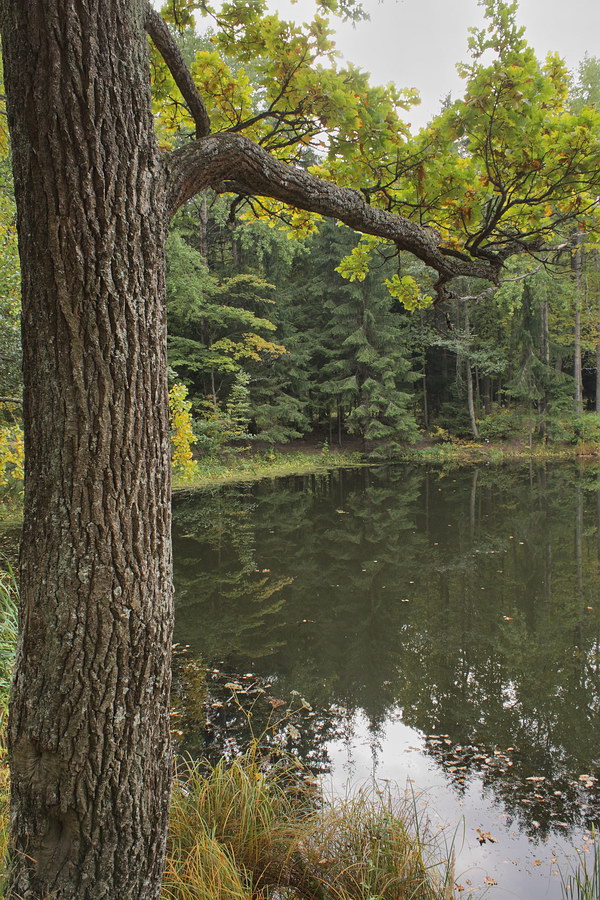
[443,626]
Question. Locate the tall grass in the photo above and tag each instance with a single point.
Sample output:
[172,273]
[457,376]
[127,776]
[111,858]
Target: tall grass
[584,882]
[9,607]
[238,832]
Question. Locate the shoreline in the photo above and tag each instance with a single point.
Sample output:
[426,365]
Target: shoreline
[248,467]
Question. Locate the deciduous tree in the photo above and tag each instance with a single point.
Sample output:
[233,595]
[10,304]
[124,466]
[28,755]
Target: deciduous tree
[89,728]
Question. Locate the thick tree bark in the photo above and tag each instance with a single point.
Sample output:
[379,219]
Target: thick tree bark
[89,737]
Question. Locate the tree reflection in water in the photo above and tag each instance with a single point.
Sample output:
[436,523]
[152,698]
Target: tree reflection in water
[463,602]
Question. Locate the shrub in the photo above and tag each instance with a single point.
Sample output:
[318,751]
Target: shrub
[502,423]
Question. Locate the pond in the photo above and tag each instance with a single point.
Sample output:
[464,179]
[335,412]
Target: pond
[444,628]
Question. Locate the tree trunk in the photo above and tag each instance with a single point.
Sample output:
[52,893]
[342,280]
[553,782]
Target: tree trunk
[203,229]
[469,375]
[596,258]
[577,265]
[545,350]
[89,734]
[598,370]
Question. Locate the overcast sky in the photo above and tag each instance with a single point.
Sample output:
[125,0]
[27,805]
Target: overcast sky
[416,43]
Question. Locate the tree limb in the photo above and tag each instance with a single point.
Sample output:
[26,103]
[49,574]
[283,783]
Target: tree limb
[235,158]
[158,30]
[11,400]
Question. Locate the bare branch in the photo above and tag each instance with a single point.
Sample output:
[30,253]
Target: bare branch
[158,30]
[235,158]
[11,400]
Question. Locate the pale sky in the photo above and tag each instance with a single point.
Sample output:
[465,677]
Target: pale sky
[416,43]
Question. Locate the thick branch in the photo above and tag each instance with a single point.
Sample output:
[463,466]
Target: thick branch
[12,400]
[233,157]
[158,30]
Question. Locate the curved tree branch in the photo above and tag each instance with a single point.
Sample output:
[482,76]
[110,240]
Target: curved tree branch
[158,30]
[235,158]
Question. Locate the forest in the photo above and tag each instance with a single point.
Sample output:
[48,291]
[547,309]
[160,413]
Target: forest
[285,326]
[220,242]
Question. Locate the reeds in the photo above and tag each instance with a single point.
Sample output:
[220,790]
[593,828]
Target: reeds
[584,881]
[238,832]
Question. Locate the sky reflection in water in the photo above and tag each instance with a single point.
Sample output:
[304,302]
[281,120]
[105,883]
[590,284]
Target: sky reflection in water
[445,628]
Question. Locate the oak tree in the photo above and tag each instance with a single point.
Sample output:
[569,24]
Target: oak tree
[95,190]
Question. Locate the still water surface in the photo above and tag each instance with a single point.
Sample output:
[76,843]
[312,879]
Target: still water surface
[444,627]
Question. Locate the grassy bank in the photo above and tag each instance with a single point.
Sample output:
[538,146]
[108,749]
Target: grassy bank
[252,466]
[465,452]
[246,466]
[238,832]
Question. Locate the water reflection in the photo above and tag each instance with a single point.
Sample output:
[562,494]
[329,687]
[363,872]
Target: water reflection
[460,605]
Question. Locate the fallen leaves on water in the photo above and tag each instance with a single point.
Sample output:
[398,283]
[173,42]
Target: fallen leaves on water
[485,836]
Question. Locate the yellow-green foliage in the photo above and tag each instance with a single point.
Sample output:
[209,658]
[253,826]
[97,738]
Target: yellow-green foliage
[12,454]
[185,468]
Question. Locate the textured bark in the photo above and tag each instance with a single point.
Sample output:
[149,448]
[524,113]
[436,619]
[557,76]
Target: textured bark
[159,32]
[237,163]
[89,737]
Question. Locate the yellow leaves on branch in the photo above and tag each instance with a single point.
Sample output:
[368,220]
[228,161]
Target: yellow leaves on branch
[252,346]
[185,468]
[407,291]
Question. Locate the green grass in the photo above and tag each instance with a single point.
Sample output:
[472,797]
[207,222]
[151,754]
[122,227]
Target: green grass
[463,453]
[9,606]
[245,466]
